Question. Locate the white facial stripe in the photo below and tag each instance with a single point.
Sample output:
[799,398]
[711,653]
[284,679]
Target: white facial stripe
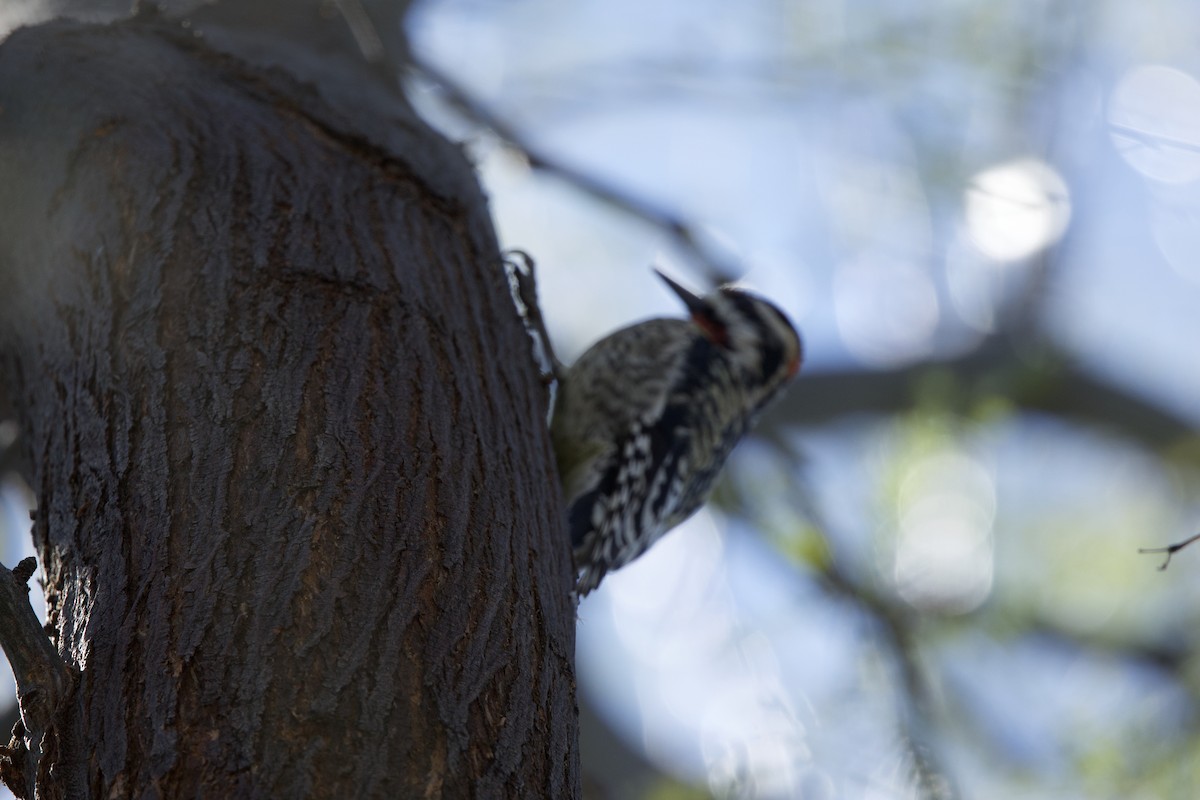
[750,323]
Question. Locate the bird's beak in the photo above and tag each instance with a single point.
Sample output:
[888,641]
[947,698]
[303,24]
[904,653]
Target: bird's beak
[695,305]
[701,311]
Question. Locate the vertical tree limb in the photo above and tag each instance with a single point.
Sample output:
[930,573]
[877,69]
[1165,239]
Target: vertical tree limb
[299,515]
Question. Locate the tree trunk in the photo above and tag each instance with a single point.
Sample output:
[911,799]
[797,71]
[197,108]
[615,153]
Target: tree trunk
[298,517]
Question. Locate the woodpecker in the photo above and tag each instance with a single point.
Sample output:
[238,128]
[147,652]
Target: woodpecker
[645,419]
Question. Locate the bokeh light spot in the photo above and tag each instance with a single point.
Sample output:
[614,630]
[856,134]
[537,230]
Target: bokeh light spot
[1154,119]
[1015,209]
[944,559]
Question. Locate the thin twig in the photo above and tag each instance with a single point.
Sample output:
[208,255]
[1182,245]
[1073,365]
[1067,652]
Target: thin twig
[1170,550]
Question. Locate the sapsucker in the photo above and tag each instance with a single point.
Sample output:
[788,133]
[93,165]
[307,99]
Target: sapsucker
[646,417]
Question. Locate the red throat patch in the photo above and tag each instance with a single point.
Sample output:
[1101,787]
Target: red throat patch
[716,333]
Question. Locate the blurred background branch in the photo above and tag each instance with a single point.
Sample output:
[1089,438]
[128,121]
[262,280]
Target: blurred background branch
[682,234]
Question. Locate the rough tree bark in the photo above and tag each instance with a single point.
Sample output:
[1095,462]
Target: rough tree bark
[297,513]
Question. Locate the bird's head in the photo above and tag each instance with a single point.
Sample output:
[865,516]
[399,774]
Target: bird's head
[756,337]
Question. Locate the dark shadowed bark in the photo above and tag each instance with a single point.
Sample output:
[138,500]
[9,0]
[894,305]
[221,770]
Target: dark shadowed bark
[298,518]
